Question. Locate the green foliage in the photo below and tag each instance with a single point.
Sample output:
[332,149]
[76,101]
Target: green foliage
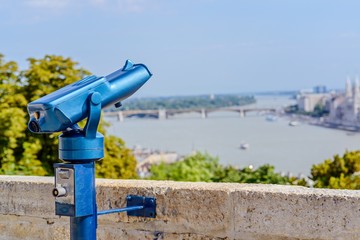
[22,152]
[119,162]
[338,173]
[48,74]
[12,116]
[203,167]
[319,111]
[194,168]
[263,174]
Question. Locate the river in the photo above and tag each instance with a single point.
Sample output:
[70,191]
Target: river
[289,149]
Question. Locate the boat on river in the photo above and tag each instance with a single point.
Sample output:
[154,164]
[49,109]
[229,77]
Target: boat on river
[244,146]
[271,118]
[293,123]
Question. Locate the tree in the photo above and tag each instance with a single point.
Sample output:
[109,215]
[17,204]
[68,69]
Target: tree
[263,174]
[197,167]
[12,116]
[339,172]
[319,110]
[22,152]
[203,167]
[119,162]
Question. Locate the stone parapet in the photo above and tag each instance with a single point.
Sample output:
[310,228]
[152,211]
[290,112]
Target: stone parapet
[187,211]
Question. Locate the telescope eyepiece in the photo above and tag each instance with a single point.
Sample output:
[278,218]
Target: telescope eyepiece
[34,126]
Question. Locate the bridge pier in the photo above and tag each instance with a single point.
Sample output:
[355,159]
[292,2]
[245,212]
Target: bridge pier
[203,113]
[120,116]
[162,115]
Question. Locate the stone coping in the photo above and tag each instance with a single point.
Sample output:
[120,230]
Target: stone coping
[187,210]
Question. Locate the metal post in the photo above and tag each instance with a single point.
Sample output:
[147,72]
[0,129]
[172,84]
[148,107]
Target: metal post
[84,228]
[75,194]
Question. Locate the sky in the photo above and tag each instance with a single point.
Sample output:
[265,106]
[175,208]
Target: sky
[194,46]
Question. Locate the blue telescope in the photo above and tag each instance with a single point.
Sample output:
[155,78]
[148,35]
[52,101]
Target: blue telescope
[60,111]
[67,106]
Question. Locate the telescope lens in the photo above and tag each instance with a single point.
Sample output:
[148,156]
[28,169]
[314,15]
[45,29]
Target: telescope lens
[34,126]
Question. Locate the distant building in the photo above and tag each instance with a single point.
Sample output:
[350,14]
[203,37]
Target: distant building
[320,89]
[345,107]
[308,101]
[148,157]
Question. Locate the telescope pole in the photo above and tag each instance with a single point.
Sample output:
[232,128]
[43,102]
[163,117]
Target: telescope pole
[75,190]
[85,227]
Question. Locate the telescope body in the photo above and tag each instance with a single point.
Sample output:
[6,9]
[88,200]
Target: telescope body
[69,105]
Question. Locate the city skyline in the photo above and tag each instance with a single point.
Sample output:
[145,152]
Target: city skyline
[194,47]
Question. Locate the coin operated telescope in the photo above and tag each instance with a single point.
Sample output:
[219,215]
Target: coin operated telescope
[60,111]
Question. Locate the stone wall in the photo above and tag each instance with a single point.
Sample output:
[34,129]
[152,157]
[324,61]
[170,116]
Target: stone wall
[187,211]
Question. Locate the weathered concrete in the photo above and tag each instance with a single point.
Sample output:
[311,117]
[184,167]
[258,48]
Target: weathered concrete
[187,211]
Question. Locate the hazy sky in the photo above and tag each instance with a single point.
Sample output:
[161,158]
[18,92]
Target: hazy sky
[194,46]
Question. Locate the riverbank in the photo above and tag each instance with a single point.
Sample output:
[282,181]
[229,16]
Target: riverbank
[321,122]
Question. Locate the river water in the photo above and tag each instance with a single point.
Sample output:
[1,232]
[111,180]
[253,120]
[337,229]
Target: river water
[289,149]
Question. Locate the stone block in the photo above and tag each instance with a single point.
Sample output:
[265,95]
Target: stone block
[27,196]
[289,212]
[181,207]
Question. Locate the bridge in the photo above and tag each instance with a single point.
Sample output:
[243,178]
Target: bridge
[165,113]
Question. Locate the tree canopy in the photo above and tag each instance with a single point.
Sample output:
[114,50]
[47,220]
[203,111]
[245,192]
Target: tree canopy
[22,152]
[193,168]
[205,168]
[339,172]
